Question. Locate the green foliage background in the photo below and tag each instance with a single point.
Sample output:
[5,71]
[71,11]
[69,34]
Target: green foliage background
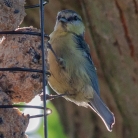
[55,129]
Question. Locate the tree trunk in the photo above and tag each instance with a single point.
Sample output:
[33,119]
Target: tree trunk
[112,33]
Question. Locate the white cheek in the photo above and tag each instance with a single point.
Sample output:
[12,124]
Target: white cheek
[78,27]
[56,25]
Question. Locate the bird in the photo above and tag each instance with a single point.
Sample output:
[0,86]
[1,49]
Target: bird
[73,72]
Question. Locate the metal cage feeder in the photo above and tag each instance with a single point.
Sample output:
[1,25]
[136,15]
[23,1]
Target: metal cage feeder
[44,71]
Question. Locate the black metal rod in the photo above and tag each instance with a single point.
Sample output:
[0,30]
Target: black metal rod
[44,65]
[21,69]
[21,32]
[36,116]
[24,69]
[21,106]
[35,6]
[48,111]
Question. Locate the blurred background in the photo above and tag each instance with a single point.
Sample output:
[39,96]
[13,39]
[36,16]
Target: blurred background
[112,34]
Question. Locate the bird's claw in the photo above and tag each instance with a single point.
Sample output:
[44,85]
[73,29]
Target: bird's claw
[61,62]
[51,97]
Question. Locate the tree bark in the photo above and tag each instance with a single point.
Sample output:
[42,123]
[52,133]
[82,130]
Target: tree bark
[112,33]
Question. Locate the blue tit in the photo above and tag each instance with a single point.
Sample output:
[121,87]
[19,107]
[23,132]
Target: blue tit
[74,74]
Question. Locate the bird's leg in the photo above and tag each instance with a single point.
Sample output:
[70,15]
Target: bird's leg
[61,62]
[51,97]
[48,74]
[50,47]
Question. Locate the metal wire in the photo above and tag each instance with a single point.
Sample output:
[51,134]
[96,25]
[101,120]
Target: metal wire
[36,6]
[48,111]
[27,33]
[44,71]
[43,64]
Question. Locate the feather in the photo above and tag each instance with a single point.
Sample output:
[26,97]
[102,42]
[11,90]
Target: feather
[89,65]
[102,110]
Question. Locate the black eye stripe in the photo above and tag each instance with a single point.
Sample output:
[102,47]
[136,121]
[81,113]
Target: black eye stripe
[76,18]
[72,18]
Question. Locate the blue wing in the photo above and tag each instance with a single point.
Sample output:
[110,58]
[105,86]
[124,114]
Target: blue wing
[90,68]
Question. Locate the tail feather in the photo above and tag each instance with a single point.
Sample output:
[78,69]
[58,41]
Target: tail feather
[102,110]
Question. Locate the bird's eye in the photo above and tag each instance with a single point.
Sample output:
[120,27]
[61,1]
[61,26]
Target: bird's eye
[75,18]
[69,19]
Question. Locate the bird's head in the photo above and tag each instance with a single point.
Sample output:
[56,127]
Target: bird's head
[69,21]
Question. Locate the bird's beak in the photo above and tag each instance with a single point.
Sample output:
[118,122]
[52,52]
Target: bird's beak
[63,20]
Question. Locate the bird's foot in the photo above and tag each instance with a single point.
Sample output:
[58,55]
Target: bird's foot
[51,97]
[61,62]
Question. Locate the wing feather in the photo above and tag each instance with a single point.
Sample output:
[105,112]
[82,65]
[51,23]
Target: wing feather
[89,66]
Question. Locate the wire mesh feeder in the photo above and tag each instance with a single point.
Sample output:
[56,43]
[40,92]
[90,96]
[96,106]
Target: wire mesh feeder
[16,73]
